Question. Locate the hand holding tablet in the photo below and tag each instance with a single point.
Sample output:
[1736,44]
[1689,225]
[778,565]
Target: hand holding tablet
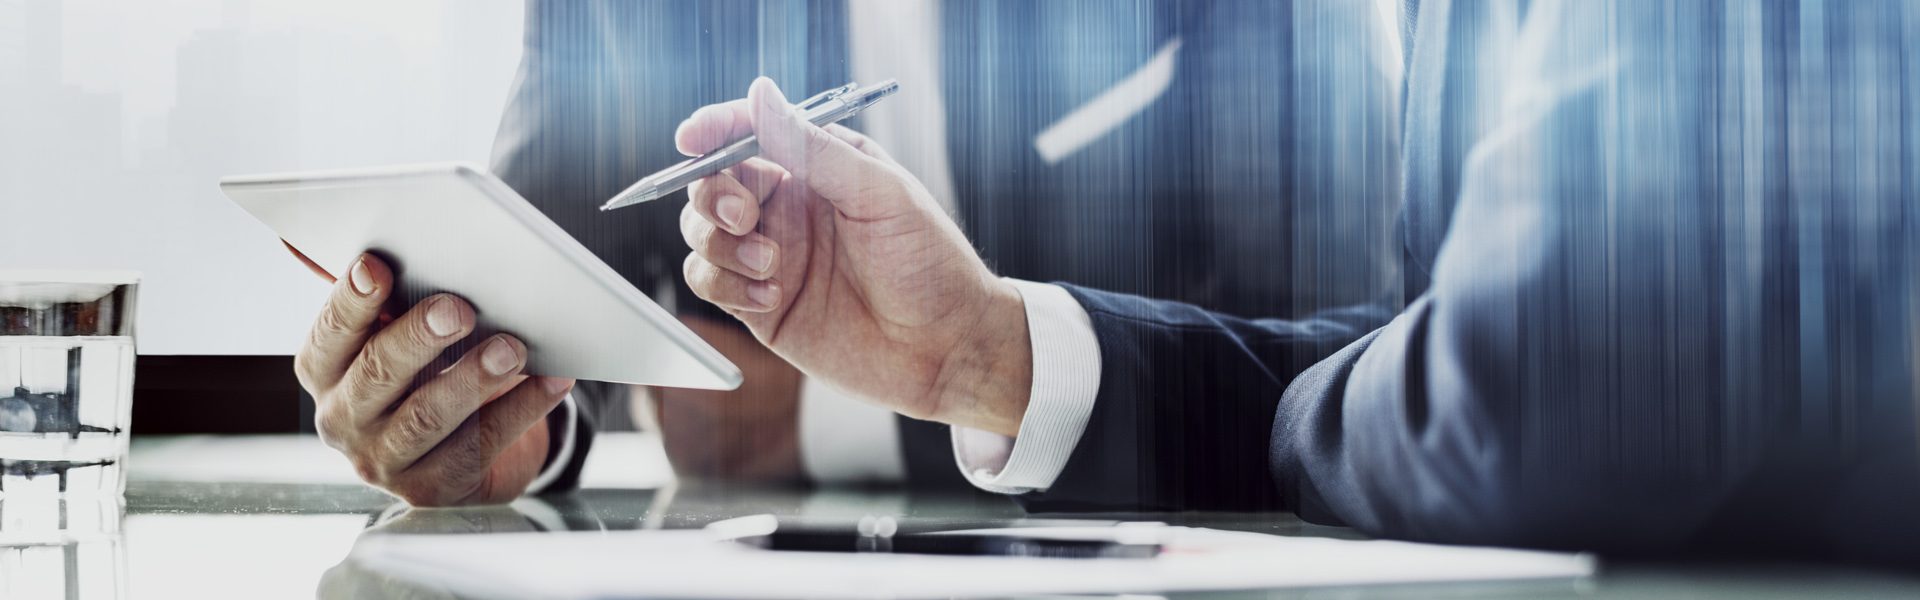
[436,404]
[455,229]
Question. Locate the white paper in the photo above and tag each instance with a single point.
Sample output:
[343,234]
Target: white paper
[691,564]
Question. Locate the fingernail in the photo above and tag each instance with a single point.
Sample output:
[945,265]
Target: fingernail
[730,210]
[763,293]
[361,278]
[499,357]
[757,254]
[444,318]
[556,385]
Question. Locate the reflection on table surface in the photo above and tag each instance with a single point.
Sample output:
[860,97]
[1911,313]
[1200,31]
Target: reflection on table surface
[259,539]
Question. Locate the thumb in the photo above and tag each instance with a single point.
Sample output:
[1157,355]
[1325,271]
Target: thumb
[856,183]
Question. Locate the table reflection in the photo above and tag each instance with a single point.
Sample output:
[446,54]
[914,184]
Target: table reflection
[696,505]
[263,517]
[53,547]
[349,580]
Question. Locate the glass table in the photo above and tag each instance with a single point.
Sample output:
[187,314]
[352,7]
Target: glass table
[275,517]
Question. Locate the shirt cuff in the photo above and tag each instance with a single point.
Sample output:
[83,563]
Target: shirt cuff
[843,440]
[563,455]
[1066,378]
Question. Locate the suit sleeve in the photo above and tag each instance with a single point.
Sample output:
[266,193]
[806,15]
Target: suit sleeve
[1643,303]
[1186,404]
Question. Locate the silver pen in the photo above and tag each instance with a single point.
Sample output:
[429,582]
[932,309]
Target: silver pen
[831,106]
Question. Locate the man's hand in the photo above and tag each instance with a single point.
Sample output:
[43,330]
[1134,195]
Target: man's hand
[844,264]
[470,434]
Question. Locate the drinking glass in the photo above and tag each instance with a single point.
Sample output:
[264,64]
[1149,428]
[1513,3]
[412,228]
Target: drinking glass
[66,382]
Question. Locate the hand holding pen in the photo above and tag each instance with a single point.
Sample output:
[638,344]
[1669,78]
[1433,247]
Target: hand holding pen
[842,263]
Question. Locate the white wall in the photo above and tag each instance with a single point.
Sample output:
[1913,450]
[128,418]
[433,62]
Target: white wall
[117,118]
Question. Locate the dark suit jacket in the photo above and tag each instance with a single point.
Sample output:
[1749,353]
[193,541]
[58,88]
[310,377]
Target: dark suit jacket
[1260,182]
[1663,295]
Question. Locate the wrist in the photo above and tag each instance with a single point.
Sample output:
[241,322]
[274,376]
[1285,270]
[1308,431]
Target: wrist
[987,378]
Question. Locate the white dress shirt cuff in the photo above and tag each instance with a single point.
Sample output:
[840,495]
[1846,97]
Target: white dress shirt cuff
[1066,378]
[569,410]
[843,440]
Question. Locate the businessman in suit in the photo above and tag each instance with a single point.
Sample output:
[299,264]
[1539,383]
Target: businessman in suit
[986,118]
[1661,269]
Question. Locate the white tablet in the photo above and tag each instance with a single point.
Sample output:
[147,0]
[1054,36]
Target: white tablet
[453,228]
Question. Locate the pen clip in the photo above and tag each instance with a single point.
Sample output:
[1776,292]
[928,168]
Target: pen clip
[823,97]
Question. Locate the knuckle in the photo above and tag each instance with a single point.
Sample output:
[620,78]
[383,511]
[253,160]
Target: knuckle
[709,240]
[332,320]
[304,368]
[330,424]
[376,367]
[417,428]
[355,390]
[700,237]
[318,339]
[700,280]
[693,227]
[484,437]
[471,456]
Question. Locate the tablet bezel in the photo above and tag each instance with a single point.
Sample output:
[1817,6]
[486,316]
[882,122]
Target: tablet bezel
[252,192]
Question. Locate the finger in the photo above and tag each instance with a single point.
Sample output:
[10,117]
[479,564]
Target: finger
[344,325]
[860,142]
[732,197]
[713,126]
[855,182]
[387,365]
[723,200]
[729,289]
[438,407]
[754,255]
[465,457]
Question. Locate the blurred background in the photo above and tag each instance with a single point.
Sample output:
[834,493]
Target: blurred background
[117,120]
